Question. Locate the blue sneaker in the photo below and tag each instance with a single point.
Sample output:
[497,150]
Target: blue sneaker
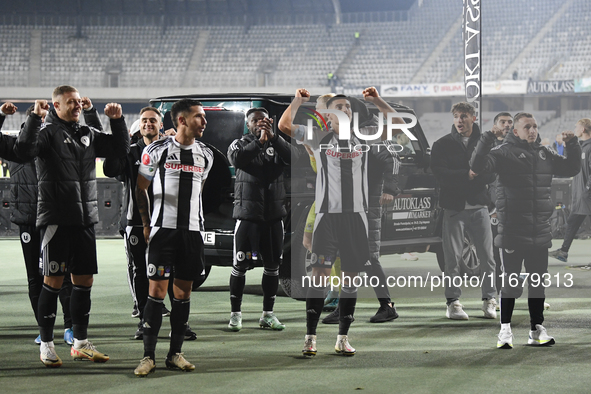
[69,336]
[331,306]
[38,340]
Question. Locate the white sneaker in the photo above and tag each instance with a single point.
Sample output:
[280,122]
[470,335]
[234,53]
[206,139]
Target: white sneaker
[409,257]
[48,355]
[546,306]
[489,307]
[343,347]
[309,345]
[455,311]
[505,339]
[540,337]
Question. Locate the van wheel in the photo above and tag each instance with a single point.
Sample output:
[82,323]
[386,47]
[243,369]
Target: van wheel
[470,264]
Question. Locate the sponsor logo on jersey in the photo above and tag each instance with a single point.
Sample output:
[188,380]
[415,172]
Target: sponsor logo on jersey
[342,155]
[183,167]
[26,237]
[522,156]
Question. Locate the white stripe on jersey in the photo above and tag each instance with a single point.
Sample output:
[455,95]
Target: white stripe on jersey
[177,172]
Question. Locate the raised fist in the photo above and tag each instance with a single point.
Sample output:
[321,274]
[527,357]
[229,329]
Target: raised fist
[86,103]
[303,94]
[41,108]
[497,131]
[113,111]
[8,108]
[369,94]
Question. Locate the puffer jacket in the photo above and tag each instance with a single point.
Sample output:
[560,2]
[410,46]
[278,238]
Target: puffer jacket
[524,185]
[259,192]
[23,182]
[66,154]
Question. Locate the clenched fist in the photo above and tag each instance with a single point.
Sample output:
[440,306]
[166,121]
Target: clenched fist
[113,111]
[8,108]
[41,108]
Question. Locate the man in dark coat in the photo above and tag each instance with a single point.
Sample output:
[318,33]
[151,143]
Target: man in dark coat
[464,198]
[581,193]
[260,158]
[525,170]
[67,208]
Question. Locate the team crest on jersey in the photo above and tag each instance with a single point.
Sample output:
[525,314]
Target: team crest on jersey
[240,256]
[270,151]
[54,267]
[85,141]
[151,269]
[133,240]
[26,237]
[314,258]
[146,159]
[494,221]
[542,155]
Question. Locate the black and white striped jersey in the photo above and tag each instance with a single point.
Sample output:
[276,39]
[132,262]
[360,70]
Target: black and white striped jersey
[341,181]
[177,173]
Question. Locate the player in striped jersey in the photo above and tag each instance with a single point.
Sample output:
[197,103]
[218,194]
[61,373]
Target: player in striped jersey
[178,167]
[341,206]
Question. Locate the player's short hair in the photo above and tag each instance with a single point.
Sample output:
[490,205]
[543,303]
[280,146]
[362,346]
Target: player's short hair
[463,107]
[182,107]
[501,114]
[324,99]
[153,109]
[336,97]
[520,115]
[257,109]
[60,90]
[586,123]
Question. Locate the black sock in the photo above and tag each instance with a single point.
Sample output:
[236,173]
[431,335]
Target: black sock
[564,249]
[65,295]
[536,311]
[507,306]
[237,281]
[46,311]
[270,284]
[347,309]
[80,310]
[314,305]
[179,318]
[152,324]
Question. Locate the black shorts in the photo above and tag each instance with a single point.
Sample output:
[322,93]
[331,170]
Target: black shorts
[258,240]
[178,250]
[344,235]
[70,249]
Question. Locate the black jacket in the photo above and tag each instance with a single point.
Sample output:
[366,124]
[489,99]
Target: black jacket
[126,170]
[450,162]
[66,153]
[259,192]
[23,181]
[7,143]
[524,185]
